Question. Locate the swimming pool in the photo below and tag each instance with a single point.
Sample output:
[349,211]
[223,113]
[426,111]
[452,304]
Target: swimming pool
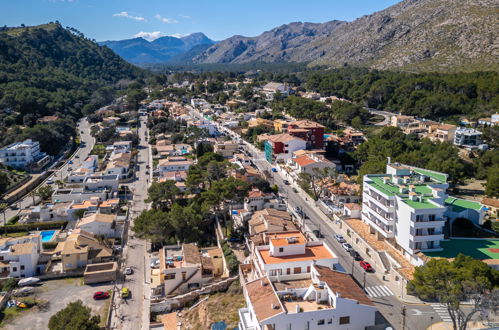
[47,235]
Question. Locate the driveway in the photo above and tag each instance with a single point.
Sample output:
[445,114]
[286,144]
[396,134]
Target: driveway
[59,293]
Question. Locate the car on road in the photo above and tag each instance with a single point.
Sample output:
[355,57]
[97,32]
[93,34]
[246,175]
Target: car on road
[70,162]
[366,266]
[125,293]
[128,271]
[77,156]
[347,246]
[50,181]
[70,168]
[317,233]
[297,209]
[339,238]
[99,295]
[155,263]
[355,255]
[81,132]
[286,182]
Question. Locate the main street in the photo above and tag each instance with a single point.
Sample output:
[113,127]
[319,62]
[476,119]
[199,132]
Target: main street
[133,313]
[391,308]
[59,174]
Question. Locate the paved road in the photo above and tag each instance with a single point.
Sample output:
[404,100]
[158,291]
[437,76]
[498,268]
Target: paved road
[133,312]
[391,308]
[387,116]
[62,172]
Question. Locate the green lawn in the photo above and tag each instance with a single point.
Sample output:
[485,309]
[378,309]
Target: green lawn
[475,248]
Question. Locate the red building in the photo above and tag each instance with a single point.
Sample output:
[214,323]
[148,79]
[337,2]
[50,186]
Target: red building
[309,131]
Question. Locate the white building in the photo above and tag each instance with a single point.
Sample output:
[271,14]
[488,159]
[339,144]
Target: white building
[98,182]
[19,256]
[91,162]
[289,256]
[79,175]
[21,154]
[409,207]
[173,164]
[98,224]
[122,146]
[326,299]
[257,200]
[184,268]
[468,138]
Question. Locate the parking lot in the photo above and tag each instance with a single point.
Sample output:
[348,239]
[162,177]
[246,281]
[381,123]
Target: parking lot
[59,293]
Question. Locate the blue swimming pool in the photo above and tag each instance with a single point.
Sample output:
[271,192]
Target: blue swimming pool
[47,235]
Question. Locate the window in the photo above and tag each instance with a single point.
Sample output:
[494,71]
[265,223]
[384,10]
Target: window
[330,321]
[170,276]
[281,249]
[14,269]
[431,217]
[345,320]
[22,267]
[297,270]
[184,276]
[308,269]
[321,322]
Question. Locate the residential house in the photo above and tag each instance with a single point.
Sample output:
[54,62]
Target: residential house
[281,125]
[173,164]
[326,299]
[444,133]
[19,256]
[122,146]
[101,182]
[468,138]
[271,88]
[309,163]
[270,221]
[257,200]
[49,212]
[342,192]
[226,149]
[79,175]
[186,267]
[98,224]
[81,248]
[490,121]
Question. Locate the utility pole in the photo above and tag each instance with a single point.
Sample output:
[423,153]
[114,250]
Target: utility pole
[365,280]
[403,318]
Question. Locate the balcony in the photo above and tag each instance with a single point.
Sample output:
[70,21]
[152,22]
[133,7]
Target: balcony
[375,214]
[381,202]
[372,222]
[439,223]
[245,322]
[436,236]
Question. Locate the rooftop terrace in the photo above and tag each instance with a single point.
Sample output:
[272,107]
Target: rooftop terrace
[481,249]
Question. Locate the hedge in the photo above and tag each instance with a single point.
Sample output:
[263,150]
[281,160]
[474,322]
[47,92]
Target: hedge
[13,220]
[34,226]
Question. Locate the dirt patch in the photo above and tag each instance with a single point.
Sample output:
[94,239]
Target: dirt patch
[222,306]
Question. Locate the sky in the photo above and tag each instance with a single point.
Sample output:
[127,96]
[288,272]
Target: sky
[218,19]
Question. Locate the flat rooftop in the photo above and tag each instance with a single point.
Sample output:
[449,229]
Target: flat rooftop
[311,253]
[480,249]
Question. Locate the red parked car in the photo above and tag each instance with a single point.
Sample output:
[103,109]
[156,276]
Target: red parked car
[367,266]
[99,295]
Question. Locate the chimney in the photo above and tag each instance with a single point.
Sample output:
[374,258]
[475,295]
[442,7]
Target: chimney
[297,308]
[389,161]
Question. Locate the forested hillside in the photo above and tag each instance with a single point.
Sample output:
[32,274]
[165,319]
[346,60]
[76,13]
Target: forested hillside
[47,70]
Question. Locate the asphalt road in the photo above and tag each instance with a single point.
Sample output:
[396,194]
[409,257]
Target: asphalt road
[131,313]
[418,316]
[77,159]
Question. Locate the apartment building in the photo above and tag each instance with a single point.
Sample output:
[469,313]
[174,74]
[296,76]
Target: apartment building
[22,154]
[310,131]
[174,164]
[186,267]
[409,208]
[325,299]
[281,147]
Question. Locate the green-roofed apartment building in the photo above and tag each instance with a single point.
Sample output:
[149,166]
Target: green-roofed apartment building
[409,207]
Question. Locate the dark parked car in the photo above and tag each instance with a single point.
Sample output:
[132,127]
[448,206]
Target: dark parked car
[286,182]
[355,255]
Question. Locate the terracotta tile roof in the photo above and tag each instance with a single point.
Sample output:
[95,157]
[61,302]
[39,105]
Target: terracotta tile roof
[446,127]
[24,248]
[304,161]
[316,252]
[256,193]
[263,298]
[306,124]
[97,217]
[282,138]
[362,229]
[494,202]
[343,284]
[352,206]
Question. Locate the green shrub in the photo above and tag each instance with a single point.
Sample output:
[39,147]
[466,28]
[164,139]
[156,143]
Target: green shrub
[35,226]
[49,245]
[13,220]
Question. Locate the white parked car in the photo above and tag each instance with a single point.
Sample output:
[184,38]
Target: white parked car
[28,281]
[129,271]
[339,238]
[155,263]
[347,246]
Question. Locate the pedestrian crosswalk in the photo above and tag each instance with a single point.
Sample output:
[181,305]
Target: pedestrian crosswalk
[378,291]
[442,311]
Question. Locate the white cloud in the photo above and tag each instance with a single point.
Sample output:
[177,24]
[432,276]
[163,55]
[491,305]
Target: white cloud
[149,35]
[127,15]
[184,16]
[166,20]
[178,35]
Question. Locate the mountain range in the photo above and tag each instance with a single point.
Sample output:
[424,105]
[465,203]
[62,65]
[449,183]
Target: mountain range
[412,35]
[164,49]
